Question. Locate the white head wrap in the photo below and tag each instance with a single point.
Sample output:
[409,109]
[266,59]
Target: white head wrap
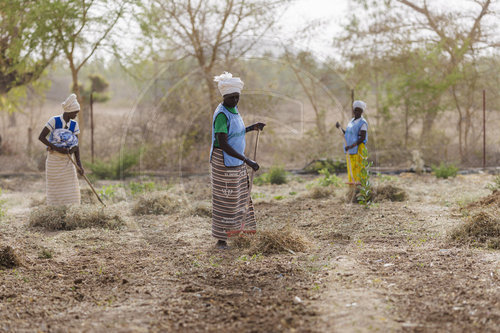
[228,84]
[71,104]
[359,104]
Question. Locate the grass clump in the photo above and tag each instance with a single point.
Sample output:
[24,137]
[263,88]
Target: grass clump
[203,209]
[444,170]
[495,186]
[320,192]
[276,175]
[8,258]
[481,228]
[45,254]
[389,193]
[156,203]
[74,217]
[269,242]
[3,210]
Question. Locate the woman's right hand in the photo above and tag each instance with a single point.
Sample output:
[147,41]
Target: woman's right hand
[61,150]
[252,164]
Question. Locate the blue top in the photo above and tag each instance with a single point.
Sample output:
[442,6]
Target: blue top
[352,134]
[235,135]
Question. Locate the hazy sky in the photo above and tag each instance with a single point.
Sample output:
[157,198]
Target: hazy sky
[331,13]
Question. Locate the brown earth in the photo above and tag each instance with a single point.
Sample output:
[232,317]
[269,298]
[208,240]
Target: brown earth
[390,267]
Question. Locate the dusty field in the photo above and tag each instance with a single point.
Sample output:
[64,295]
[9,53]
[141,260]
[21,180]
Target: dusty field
[388,268]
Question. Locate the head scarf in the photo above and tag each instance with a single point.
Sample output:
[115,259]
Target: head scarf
[228,84]
[359,104]
[71,104]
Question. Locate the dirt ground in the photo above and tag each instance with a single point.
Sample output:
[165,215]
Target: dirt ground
[389,268]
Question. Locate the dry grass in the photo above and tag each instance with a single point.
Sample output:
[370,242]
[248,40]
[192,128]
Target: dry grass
[74,217]
[203,209]
[481,228]
[157,203]
[321,192]
[389,193]
[490,200]
[8,258]
[273,241]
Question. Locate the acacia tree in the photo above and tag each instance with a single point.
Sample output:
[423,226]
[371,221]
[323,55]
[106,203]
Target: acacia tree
[209,31]
[84,26]
[397,27]
[27,43]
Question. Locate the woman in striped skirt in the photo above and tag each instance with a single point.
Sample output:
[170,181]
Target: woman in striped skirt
[62,182]
[230,185]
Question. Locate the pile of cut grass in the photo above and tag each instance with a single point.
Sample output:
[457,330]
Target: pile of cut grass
[269,242]
[491,200]
[8,258]
[482,228]
[74,217]
[157,203]
[389,193]
[321,192]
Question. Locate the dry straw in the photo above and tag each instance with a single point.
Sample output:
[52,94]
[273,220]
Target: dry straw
[482,228]
[74,217]
[273,241]
[8,258]
[157,203]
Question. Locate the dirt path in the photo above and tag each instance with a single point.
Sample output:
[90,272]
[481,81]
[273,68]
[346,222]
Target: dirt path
[387,268]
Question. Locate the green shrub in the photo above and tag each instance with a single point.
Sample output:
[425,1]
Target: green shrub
[116,168]
[333,166]
[365,194]
[445,170]
[329,179]
[276,175]
[138,188]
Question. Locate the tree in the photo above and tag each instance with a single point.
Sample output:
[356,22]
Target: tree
[83,26]
[394,27]
[209,31]
[27,42]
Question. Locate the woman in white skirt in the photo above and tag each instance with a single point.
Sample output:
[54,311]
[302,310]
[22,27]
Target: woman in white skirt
[62,181]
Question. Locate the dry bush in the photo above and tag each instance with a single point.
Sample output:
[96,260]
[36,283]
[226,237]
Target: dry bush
[481,228]
[389,193]
[36,202]
[273,241]
[321,192]
[157,203]
[74,217]
[8,258]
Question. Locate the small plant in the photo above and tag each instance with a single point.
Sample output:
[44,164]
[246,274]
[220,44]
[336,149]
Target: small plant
[108,192]
[138,188]
[333,166]
[276,175]
[445,170]
[279,197]
[365,187]
[45,254]
[3,210]
[329,179]
[493,187]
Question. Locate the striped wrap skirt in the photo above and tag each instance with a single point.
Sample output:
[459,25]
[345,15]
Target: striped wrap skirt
[63,187]
[230,196]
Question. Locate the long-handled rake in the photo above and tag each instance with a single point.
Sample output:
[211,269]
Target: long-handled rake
[231,233]
[88,181]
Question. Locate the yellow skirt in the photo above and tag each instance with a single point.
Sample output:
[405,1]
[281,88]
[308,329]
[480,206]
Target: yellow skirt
[354,172]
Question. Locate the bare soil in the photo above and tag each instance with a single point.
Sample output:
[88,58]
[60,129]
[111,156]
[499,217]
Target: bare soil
[390,267]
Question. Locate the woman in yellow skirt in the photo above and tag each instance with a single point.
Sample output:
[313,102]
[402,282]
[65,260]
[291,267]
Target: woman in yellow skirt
[356,137]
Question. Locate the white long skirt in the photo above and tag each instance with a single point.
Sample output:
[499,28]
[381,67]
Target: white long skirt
[62,182]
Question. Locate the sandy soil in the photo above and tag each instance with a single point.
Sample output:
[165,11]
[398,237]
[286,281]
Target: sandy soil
[388,268]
